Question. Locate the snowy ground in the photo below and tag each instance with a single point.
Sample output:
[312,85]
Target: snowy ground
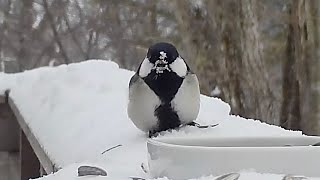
[78,111]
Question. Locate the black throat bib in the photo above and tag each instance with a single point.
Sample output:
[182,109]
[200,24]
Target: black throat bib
[165,85]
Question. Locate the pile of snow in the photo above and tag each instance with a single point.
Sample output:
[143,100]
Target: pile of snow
[78,111]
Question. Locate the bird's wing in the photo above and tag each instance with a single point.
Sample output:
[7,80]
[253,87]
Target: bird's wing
[133,79]
[188,68]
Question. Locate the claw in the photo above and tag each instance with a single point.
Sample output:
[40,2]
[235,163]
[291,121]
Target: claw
[201,126]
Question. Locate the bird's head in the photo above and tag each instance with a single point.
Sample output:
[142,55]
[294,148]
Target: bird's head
[162,58]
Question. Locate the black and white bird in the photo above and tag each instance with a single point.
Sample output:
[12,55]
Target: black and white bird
[164,93]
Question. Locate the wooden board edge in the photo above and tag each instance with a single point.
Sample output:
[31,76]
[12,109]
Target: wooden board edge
[43,157]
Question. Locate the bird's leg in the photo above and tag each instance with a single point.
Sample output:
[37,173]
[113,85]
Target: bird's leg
[150,134]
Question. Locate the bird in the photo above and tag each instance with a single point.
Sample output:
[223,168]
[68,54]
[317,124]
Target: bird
[164,93]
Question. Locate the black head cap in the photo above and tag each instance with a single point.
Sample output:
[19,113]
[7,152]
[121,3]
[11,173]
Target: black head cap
[154,52]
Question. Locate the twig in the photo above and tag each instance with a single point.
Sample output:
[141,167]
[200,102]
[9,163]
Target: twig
[137,178]
[231,176]
[143,167]
[111,148]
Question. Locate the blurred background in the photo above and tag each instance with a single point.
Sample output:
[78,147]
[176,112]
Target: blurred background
[261,57]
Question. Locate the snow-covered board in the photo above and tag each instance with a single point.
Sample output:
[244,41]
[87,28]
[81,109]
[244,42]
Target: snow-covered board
[78,111]
[184,158]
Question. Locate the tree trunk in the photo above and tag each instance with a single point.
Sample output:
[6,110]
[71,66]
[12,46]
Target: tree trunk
[308,66]
[298,99]
[256,76]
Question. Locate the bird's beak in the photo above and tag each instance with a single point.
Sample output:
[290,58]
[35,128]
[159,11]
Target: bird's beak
[161,65]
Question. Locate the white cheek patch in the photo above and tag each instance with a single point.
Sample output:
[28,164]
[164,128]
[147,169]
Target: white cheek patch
[179,67]
[145,68]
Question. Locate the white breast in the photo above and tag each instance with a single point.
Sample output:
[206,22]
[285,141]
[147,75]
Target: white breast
[187,100]
[142,104]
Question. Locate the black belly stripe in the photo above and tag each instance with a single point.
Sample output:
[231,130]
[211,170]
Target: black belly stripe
[168,118]
[165,86]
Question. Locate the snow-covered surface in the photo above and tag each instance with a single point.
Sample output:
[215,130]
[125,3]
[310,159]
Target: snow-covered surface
[78,111]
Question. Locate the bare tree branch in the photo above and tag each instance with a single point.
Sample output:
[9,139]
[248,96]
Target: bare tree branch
[55,33]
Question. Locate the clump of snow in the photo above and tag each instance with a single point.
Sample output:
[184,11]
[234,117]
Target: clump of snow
[77,111]
[215,92]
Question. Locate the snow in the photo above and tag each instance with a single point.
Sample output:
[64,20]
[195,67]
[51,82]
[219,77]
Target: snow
[251,175]
[77,111]
[216,91]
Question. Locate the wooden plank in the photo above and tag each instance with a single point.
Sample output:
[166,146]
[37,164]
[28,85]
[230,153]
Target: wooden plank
[29,163]
[9,129]
[4,165]
[44,159]
[2,99]
[9,166]
[14,165]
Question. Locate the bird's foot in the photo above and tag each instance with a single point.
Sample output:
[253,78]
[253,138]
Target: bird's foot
[152,134]
[201,126]
[155,133]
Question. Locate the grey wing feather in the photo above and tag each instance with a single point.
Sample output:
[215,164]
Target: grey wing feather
[133,79]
